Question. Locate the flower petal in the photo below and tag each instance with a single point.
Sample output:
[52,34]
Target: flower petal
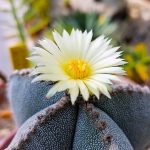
[74,92]
[49,77]
[109,63]
[94,47]
[106,54]
[83,89]
[110,70]
[104,90]
[50,47]
[60,86]
[92,88]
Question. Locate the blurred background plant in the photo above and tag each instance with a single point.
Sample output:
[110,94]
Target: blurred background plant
[100,24]
[16,33]
[138,62]
[15,24]
[37,15]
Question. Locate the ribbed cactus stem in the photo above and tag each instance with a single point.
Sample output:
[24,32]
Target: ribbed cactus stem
[18,22]
[42,118]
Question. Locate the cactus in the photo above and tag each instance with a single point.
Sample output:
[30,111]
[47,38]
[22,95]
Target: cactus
[99,125]
[24,103]
[130,109]
[64,127]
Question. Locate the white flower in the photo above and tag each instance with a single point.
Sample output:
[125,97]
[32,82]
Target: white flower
[77,64]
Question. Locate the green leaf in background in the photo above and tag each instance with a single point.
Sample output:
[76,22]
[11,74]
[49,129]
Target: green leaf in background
[18,23]
[37,17]
[85,21]
[138,62]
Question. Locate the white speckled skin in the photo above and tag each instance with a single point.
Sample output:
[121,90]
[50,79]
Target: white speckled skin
[130,109]
[27,98]
[67,128]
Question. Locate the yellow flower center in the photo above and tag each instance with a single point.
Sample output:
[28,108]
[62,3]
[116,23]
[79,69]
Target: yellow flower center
[77,68]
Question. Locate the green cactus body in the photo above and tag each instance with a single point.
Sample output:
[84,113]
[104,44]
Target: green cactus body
[97,125]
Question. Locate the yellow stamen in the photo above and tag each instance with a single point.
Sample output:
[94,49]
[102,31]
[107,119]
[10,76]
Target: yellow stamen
[77,68]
